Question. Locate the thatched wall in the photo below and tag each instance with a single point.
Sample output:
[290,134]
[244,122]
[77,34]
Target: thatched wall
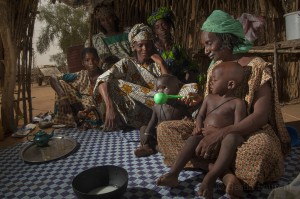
[190,14]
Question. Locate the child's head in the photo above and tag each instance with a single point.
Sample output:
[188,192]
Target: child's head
[90,58]
[226,76]
[168,84]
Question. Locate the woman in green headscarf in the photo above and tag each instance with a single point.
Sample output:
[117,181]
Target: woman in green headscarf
[260,158]
[176,58]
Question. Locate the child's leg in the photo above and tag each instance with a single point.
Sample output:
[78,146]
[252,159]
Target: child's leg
[148,143]
[143,137]
[226,156]
[170,179]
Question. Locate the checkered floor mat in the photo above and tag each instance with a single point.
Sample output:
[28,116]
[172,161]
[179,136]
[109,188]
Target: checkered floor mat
[53,179]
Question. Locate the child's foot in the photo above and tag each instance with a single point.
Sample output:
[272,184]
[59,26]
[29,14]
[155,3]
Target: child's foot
[207,187]
[144,151]
[168,180]
[233,186]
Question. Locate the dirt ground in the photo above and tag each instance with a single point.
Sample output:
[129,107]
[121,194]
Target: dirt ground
[42,102]
[42,99]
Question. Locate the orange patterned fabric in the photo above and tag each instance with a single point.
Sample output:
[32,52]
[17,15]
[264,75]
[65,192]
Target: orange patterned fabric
[261,158]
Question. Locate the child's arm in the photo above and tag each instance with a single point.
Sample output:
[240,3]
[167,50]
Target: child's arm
[200,118]
[240,111]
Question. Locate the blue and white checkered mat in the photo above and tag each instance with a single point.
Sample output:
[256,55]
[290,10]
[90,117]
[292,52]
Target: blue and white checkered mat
[54,179]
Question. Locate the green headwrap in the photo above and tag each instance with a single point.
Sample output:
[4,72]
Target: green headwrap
[221,22]
[161,13]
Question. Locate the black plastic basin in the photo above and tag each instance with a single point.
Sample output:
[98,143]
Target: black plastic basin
[101,182]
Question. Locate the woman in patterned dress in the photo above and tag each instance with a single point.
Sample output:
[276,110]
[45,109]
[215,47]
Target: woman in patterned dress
[128,85]
[112,40]
[260,158]
[74,104]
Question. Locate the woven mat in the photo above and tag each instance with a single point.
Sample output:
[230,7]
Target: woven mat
[53,179]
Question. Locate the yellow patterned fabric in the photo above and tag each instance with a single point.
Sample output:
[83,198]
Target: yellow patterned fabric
[79,92]
[261,158]
[130,86]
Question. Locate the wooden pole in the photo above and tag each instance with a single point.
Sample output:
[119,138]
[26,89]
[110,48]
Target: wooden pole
[7,113]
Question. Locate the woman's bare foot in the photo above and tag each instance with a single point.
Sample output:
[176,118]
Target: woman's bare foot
[234,187]
[207,186]
[169,180]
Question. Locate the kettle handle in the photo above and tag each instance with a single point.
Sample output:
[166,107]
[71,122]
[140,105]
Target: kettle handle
[30,140]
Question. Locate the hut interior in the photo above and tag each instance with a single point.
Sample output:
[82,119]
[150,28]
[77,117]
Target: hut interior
[17,25]
[54,179]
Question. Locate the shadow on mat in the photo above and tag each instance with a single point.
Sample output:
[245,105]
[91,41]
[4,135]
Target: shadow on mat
[145,193]
[295,124]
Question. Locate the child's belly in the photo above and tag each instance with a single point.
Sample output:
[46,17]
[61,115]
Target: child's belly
[218,120]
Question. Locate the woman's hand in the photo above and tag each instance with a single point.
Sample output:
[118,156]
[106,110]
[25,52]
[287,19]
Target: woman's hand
[110,119]
[81,114]
[193,99]
[210,145]
[159,60]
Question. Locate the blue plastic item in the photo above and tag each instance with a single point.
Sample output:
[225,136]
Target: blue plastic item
[294,135]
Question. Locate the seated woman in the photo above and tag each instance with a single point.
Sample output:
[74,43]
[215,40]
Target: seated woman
[74,101]
[176,58]
[127,85]
[260,158]
[111,39]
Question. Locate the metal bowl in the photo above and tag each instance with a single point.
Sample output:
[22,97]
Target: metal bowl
[101,182]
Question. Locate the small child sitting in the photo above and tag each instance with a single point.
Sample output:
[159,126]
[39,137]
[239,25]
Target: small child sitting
[172,110]
[219,109]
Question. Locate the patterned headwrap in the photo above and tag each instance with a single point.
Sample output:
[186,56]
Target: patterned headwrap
[104,11]
[221,22]
[161,13]
[140,32]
